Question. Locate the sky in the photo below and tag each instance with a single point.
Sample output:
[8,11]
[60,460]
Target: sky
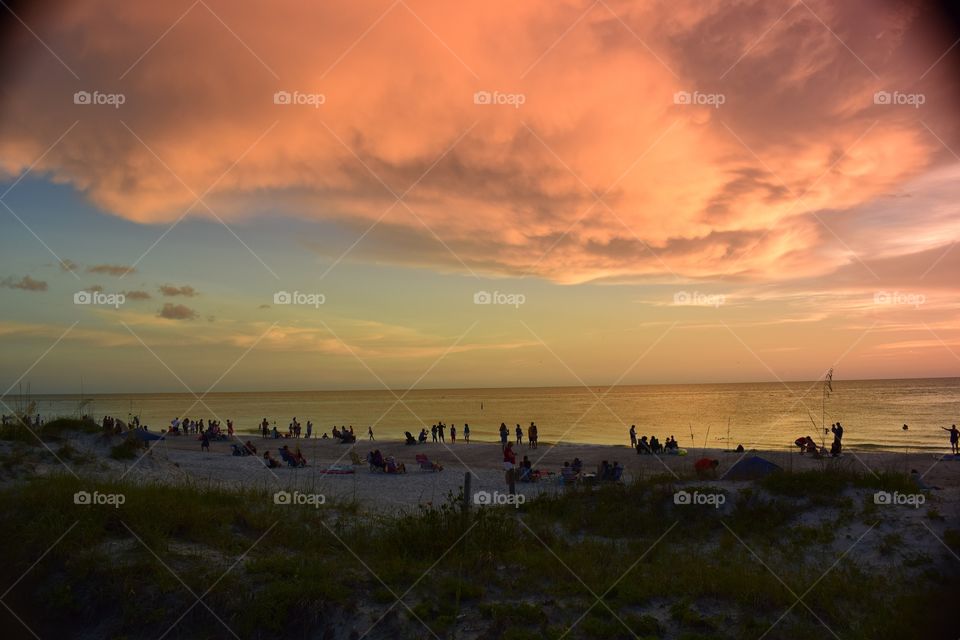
[210,195]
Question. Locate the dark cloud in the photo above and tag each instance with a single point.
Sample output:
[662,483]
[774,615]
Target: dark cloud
[26,283]
[171,291]
[177,312]
[111,269]
[137,295]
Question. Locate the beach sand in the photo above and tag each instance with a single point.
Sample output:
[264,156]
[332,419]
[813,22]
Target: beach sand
[178,459]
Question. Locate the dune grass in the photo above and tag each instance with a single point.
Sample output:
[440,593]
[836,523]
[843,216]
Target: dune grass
[595,559]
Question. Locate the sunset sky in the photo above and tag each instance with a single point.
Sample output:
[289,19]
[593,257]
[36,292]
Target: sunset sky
[663,191]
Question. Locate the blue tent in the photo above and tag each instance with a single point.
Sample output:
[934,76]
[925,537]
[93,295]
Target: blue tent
[751,468]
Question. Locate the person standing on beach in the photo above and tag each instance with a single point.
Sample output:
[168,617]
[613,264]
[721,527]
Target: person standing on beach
[433,432]
[442,430]
[309,429]
[519,433]
[204,442]
[466,433]
[532,435]
[370,433]
[504,434]
[509,464]
[633,436]
[453,433]
[954,439]
[837,430]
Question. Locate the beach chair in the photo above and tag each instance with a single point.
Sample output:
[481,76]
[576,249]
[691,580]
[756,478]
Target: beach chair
[355,459]
[289,459]
[373,467]
[426,465]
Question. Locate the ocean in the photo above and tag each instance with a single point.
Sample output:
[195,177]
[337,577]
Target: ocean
[761,415]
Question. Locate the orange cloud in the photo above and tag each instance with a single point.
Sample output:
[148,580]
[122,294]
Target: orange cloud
[573,141]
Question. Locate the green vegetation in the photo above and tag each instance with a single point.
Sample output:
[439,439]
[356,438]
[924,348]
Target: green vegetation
[55,430]
[614,562]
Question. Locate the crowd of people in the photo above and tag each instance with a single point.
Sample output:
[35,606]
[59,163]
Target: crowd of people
[652,445]
[809,446]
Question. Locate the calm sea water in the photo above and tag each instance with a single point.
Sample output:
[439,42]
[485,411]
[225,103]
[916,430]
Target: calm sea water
[767,415]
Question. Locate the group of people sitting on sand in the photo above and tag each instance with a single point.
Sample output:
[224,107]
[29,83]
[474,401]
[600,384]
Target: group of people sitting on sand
[386,464]
[652,445]
[572,473]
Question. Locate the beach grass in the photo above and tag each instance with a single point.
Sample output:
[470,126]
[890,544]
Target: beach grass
[592,558]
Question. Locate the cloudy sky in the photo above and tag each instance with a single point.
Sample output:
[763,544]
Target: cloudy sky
[661,191]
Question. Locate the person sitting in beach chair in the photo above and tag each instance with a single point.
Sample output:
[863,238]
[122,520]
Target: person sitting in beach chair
[616,472]
[426,464]
[807,445]
[655,445]
[375,460]
[706,468]
[567,475]
[287,456]
[643,446]
[299,457]
[390,465]
[410,438]
[526,470]
[250,449]
[270,461]
[603,470]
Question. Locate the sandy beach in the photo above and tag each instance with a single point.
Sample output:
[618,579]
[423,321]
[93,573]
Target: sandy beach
[179,460]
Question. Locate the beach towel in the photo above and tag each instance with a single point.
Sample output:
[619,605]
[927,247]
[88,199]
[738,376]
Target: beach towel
[338,469]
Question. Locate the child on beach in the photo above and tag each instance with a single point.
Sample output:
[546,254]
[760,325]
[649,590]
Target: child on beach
[453,433]
[466,432]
